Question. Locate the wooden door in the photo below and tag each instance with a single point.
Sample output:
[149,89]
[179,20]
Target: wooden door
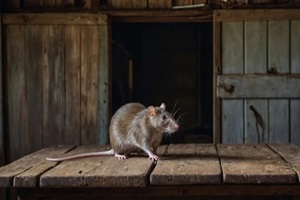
[56,79]
[257,80]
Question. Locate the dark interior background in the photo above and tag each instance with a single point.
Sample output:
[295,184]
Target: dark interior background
[171,63]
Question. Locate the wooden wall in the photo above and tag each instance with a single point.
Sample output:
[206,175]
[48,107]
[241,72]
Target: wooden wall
[52,79]
[259,82]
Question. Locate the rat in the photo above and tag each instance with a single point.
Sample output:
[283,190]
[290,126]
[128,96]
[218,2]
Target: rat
[134,128]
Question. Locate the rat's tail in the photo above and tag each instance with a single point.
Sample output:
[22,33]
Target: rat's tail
[83,155]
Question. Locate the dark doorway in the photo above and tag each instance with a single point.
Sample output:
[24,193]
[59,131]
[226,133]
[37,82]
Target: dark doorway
[166,62]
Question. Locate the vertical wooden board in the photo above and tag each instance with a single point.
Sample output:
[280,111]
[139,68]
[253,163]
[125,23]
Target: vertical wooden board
[200,1]
[278,46]
[294,121]
[53,85]
[255,47]
[154,4]
[104,83]
[48,3]
[232,121]
[72,84]
[182,2]
[279,121]
[12,4]
[64,3]
[232,47]
[256,121]
[34,86]
[89,84]
[295,46]
[16,93]
[2,156]
[128,4]
[33,3]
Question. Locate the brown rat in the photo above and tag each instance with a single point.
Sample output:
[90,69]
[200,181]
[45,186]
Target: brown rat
[133,128]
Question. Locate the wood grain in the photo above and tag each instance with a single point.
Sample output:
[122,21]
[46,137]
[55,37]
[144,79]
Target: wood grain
[34,88]
[232,121]
[257,14]
[294,121]
[53,85]
[89,84]
[104,83]
[128,4]
[232,47]
[2,142]
[163,4]
[262,86]
[256,47]
[295,45]
[182,2]
[51,19]
[279,121]
[72,82]
[25,171]
[253,164]
[17,104]
[290,153]
[185,164]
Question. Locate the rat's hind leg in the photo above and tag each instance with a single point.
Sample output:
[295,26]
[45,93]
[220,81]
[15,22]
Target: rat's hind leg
[120,157]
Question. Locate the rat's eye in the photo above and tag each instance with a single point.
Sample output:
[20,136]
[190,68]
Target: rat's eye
[164,117]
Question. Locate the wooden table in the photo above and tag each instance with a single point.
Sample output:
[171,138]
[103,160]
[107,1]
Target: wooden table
[183,170]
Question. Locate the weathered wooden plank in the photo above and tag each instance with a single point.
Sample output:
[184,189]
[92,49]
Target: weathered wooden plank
[52,19]
[163,4]
[263,86]
[232,121]
[104,83]
[2,154]
[257,15]
[255,47]
[254,164]
[256,121]
[279,121]
[72,92]
[133,172]
[128,4]
[232,48]
[98,171]
[89,84]
[278,46]
[295,46]
[48,3]
[16,100]
[25,171]
[53,85]
[290,153]
[32,4]
[182,2]
[294,121]
[34,89]
[197,164]
[216,71]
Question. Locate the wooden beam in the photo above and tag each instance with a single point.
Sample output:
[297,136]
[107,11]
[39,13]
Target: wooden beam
[262,86]
[256,15]
[216,72]
[2,155]
[53,18]
[104,82]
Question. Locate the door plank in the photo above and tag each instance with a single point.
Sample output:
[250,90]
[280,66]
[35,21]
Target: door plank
[295,46]
[162,4]
[232,48]
[294,121]
[258,86]
[185,164]
[279,121]
[255,47]
[254,164]
[232,121]
[278,46]
[256,121]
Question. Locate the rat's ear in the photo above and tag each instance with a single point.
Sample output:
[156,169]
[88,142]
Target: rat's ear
[163,106]
[151,111]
